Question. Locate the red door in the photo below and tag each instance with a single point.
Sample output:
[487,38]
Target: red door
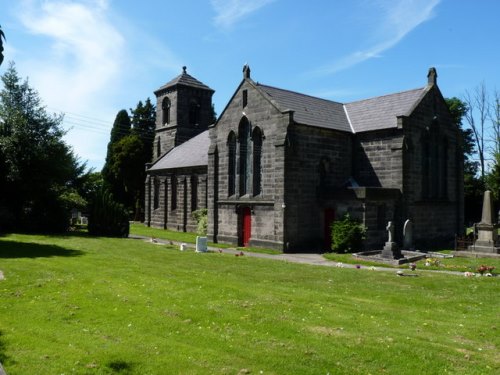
[246,226]
[329,219]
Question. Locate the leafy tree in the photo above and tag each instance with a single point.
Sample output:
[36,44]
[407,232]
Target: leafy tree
[143,126]
[473,186]
[120,129]
[107,217]
[2,38]
[38,170]
[347,235]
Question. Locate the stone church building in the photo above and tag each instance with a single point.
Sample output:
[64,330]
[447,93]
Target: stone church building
[278,167]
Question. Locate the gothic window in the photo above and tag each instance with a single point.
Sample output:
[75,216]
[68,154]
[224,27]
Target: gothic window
[231,164]
[245,98]
[434,163]
[245,154]
[156,194]
[324,168]
[194,113]
[173,196]
[158,147]
[194,193]
[165,107]
[257,162]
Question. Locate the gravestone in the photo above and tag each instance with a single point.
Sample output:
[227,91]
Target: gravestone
[201,244]
[487,235]
[391,249]
[408,235]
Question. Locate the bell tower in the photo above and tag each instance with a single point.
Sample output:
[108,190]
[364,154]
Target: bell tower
[183,110]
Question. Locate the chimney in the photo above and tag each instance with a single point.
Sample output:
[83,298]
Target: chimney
[246,71]
[432,77]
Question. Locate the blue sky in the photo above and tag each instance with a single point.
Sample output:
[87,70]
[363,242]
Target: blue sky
[91,58]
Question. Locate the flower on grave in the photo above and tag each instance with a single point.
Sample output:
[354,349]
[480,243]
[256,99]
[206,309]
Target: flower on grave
[339,264]
[358,266]
[413,266]
[468,274]
[432,262]
[485,269]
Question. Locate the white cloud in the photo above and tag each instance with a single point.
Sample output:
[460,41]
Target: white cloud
[396,20]
[79,71]
[228,12]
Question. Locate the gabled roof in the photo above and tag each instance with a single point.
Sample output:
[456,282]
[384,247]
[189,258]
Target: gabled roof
[381,112]
[309,110]
[185,79]
[192,153]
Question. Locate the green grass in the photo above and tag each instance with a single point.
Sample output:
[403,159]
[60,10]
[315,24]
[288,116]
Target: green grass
[458,264]
[81,305]
[188,237]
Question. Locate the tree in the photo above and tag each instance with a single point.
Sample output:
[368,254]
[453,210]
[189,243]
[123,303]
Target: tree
[38,170]
[473,186]
[478,109]
[2,38]
[143,126]
[120,129]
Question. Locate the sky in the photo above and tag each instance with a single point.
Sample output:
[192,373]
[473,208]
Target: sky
[89,59]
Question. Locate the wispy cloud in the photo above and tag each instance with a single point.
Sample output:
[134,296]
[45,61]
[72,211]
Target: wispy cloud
[228,12]
[396,19]
[85,50]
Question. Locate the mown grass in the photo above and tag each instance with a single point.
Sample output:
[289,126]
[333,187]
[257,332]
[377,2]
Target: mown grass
[458,264]
[84,305]
[187,237]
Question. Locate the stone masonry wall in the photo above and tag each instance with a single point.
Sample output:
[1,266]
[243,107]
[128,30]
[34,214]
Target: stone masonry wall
[179,219]
[316,159]
[437,218]
[224,208]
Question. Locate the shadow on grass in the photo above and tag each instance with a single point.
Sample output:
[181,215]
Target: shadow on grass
[3,356]
[12,249]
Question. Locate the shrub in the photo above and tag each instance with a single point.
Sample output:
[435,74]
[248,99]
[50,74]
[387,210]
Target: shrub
[201,217]
[347,235]
[107,217]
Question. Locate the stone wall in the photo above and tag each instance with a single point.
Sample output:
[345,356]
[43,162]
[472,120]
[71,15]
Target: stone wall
[433,187]
[225,208]
[180,218]
[378,158]
[318,160]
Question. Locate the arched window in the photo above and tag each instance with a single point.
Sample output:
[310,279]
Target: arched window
[173,196]
[443,169]
[165,106]
[194,193]
[158,147]
[156,193]
[245,154]
[231,164]
[257,163]
[194,113]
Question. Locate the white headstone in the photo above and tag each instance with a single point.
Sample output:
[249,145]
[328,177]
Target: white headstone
[201,244]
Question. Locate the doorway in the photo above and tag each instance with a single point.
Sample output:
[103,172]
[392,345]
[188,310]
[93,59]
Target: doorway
[246,227]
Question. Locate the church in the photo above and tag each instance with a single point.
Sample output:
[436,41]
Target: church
[278,167]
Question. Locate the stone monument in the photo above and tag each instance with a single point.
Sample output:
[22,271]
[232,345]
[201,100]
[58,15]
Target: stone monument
[391,249]
[487,231]
[408,235]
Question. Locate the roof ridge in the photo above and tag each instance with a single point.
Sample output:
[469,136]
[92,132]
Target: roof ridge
[386,95]
[298,93]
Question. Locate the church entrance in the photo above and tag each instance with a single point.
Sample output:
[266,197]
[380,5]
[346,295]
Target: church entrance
[329,219]
[245,227]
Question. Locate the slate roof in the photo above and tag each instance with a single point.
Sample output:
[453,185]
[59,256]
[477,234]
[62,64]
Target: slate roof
[185,80]
[192,153]
[381,112]
[309,110]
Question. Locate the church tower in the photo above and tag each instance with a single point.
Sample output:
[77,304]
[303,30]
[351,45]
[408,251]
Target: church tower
[183,110]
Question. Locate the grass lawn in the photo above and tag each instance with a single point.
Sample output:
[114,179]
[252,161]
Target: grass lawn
[82,305]
[441,264]
[188,237]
